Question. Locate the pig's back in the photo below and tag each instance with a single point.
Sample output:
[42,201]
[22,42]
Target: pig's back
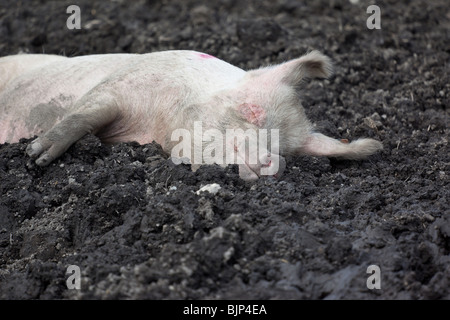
[12,67]
[199,73]
[57,79]
[198,70]
[60,80]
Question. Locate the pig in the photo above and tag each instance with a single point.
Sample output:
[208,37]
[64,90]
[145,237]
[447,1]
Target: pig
[145,97]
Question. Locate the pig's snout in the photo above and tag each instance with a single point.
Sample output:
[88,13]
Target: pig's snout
[268,165]
[272,165]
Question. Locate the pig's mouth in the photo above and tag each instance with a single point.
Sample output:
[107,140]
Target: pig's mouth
[246,173]
[250,172]
[267,164]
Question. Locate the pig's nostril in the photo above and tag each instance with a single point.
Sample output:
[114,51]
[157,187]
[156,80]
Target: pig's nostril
[268,165]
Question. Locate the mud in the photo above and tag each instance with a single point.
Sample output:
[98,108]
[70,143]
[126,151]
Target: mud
[132,221]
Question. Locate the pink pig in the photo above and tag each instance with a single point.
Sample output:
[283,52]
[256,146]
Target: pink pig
[132,97]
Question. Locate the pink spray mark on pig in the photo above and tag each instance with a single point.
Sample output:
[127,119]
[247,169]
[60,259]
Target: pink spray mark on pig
[253,113]
[205,56]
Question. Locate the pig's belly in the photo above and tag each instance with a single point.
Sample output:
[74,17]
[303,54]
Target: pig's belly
[33,102]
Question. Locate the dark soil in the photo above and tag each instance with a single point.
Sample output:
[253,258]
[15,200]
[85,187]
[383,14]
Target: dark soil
[131,220]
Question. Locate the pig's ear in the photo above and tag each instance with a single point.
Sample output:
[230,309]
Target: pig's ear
[311,65]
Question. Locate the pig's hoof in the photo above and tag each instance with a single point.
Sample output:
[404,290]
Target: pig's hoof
[37,149]
[34,149]
[44,160]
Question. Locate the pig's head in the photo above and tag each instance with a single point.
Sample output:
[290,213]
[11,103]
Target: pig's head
[268,98]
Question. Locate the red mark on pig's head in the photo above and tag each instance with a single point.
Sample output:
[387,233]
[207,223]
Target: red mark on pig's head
[253,113]
[205,56]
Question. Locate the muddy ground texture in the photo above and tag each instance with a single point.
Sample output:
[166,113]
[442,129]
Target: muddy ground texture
[132,221]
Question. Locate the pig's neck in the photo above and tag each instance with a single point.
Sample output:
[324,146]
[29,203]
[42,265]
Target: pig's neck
[215,110]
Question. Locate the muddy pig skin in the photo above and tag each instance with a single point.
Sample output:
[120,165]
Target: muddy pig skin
[133,97]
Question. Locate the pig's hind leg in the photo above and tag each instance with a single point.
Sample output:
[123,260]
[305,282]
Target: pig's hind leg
[91,116]
[318,144]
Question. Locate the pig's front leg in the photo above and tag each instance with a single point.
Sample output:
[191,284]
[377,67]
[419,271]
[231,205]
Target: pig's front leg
[93,112]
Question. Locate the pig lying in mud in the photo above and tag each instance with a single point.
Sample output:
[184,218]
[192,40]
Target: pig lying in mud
[132,97]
